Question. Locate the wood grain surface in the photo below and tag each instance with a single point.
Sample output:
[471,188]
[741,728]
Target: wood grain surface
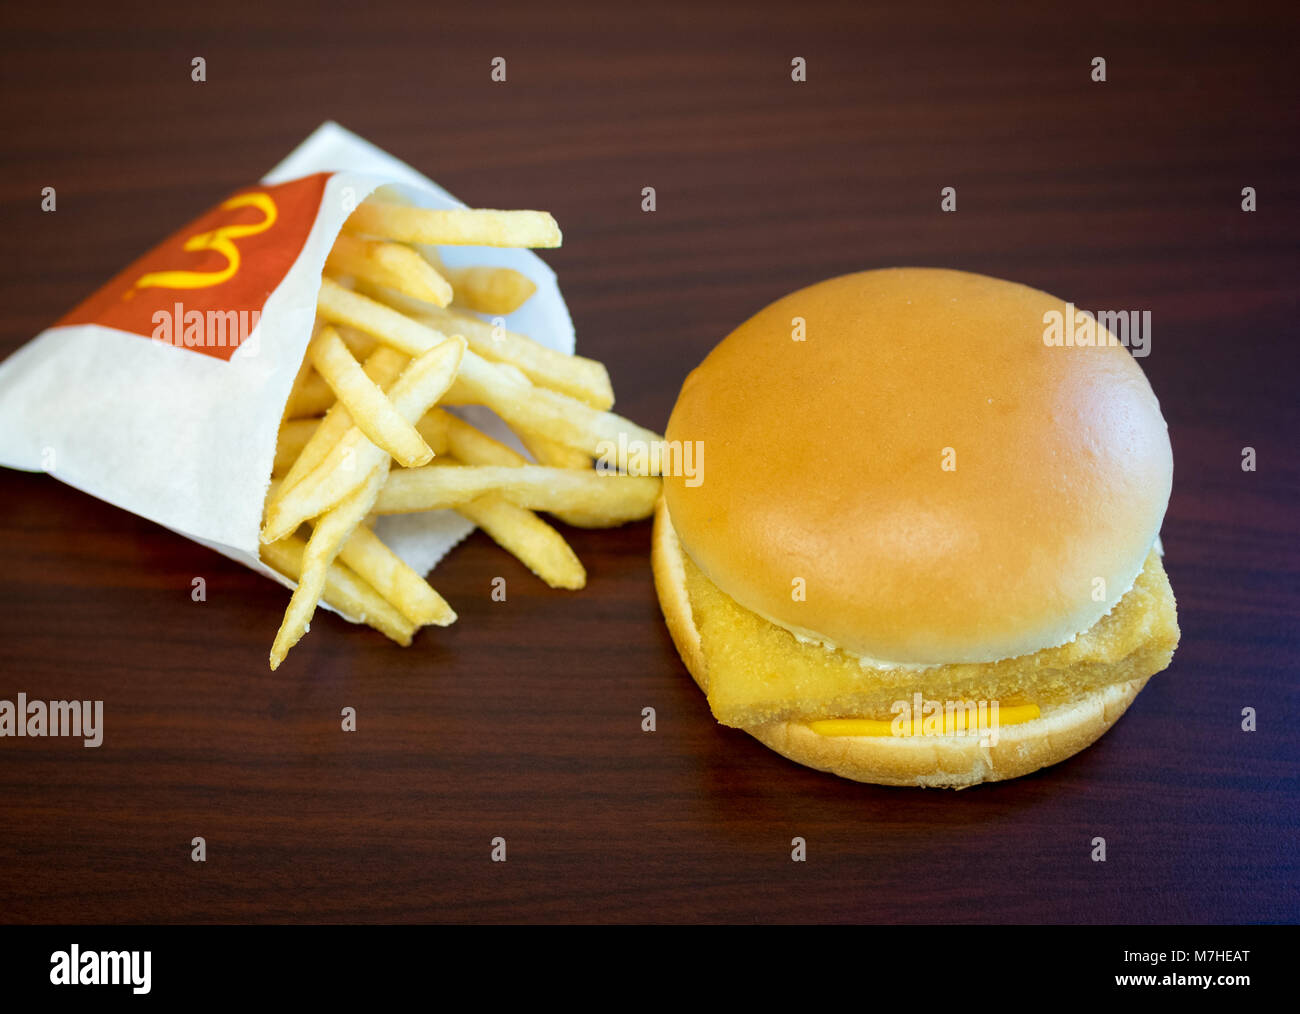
[523,720]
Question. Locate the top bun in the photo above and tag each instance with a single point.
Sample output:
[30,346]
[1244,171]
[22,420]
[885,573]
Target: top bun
[824,460]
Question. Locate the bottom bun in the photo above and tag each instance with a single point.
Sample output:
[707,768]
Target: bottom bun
[926,761]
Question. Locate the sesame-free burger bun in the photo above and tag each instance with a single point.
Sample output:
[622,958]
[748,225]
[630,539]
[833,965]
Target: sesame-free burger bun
[904,448]
[925,761]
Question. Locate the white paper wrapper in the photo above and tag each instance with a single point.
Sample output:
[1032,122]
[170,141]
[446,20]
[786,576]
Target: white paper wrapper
[188,440]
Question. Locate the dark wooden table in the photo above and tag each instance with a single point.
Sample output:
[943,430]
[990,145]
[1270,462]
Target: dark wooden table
[523,720]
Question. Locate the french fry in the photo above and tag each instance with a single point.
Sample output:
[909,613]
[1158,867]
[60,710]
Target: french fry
[485,289]
[454,227]
[310,398]
[581,378]
[386,572]
[359,342]
[375,565]
[343,306]
[300,378]
[516,529]
[383,367]
[615,499]
[294,435]
[620,443]
[520,403]
[547,452]
[451,434]
[465,442]
[344,590]
[389,575]
[330,531]
[387,349]
[350,462]
[536,545]
[371,412]
[390,264]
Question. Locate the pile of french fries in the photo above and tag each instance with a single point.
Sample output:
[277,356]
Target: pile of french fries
[365,431]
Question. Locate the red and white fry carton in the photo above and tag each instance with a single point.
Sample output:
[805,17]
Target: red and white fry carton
[162,393]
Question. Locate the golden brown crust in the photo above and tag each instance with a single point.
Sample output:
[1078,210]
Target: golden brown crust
[955,762]
[670,583]
[946,486]
[928,761]
[761,674]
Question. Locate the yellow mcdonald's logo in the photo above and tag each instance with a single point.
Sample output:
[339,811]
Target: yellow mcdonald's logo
[220,240]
